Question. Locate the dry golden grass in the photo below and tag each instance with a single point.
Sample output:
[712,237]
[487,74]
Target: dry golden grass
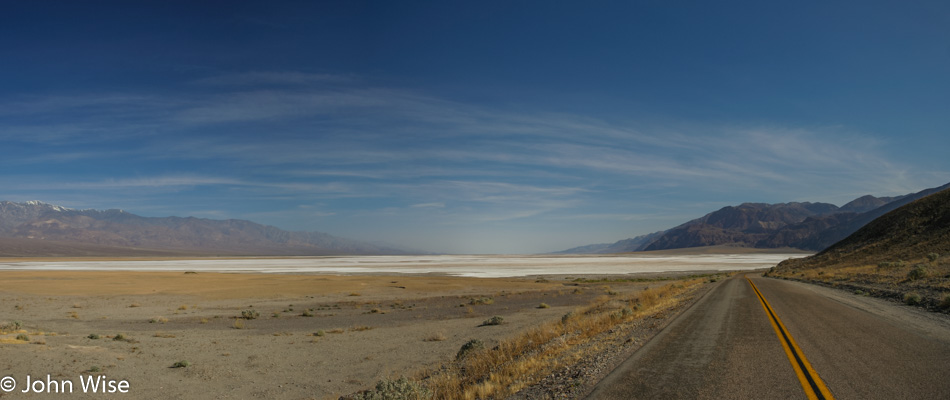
[895,273]
[524,360]
[925,276]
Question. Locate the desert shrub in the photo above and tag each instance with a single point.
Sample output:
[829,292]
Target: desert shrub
[435,337]
[919,272]
[239,324]
[307,313]
[320,333]
[94,368]
[912,298]
[933,257]
[482,301]
[118,337]
[543,305]
[11,326]
[496,320]
[160,320]
[24,337]
[390,389]
[250,314]
[181,364]
[468,347]
[93,336]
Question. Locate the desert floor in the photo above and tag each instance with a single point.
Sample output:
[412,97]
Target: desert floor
[316,336]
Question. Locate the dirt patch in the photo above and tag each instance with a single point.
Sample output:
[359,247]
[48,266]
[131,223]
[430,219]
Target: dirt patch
[310,336]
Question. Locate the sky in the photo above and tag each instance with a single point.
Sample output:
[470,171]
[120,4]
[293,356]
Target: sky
[470,127]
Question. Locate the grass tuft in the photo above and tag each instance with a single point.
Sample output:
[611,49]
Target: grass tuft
[912,298]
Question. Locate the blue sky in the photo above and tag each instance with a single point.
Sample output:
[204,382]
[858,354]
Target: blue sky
[470,127]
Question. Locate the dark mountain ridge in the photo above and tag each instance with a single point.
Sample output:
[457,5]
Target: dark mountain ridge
[117,229]
[806,226]
[911,231]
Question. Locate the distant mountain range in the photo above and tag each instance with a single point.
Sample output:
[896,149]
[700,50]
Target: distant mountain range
[806,226]
[39,229]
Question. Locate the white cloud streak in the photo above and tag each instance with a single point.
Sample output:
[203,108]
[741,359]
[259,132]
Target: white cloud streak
[302,138]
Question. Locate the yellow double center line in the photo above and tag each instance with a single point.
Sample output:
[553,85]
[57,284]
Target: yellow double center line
[812,384]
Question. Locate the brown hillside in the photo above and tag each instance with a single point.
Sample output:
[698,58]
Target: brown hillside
[904,255]
[909,232]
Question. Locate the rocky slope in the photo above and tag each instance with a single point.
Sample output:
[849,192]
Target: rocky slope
[903,255]
[910,232]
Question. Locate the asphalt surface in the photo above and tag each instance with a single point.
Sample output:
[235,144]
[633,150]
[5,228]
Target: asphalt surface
[724,347]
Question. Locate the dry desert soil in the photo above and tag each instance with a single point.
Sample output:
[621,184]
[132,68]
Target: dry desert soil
[314,336]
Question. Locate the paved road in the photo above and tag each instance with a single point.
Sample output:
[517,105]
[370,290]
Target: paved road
[724,347]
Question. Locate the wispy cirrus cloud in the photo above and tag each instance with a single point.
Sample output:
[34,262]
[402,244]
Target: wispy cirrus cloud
[269,78]
[394,156]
